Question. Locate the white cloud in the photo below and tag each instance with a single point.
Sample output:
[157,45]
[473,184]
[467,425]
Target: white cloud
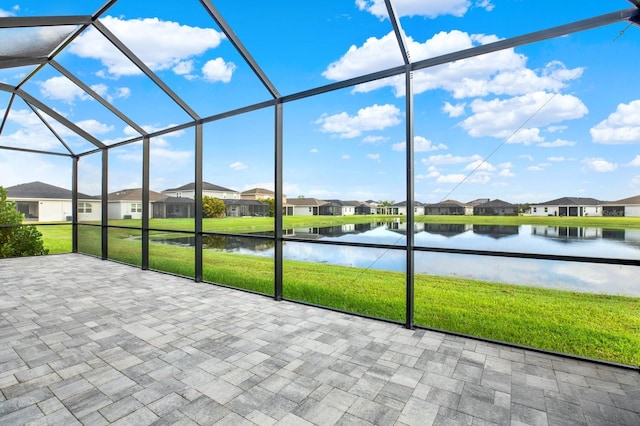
[28,131]
[238,166]
[526,157]
[183,67]
[94,127]
[485,4]
[477,178]
[535,168]
[556,144]
[454,178]
[432,172]
[500,117]
[420,144]
[453,110]
[122,92]
[635,162]
[376,117]
[12,12]
[599,165]
[63,89]
[480,165]
[218,70]
[506,173]
[554,129]
[346,157]
[314,150]
[374,139]
[25,167]
[117,93]
[622,126]
[498,73]
[429,9]
[526,136]
[373,156]
[161,45]
[449,159]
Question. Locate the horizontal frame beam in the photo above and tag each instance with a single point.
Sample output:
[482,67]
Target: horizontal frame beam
[43,21]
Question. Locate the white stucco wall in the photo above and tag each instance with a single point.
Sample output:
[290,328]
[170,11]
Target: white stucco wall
[120,209]
[632,211]
[60,210]
[302,211]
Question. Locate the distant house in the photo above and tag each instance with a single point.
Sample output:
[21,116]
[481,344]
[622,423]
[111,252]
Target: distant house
[401,208]
[239,208]
[625,207]
[174,207]
[42,202]
[568,206]
[208,189]
[257,194]
[260,194]
[495,208]
[303,207]
[449,207]
[127,203]
[367,207]
[338,208]
[479,201]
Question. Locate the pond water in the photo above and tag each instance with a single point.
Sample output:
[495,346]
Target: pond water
[573,241]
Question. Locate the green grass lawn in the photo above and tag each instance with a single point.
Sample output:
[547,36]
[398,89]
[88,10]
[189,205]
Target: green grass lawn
[590,325]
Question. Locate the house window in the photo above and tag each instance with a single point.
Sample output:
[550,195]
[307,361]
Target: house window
[84,207]
[136,207]
[546,209]
[309,208]
[535,209]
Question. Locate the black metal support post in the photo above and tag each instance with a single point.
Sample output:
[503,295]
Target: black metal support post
[198,203]
[105,204]
[278,204]
[410,296]
[74,204]
[146,214]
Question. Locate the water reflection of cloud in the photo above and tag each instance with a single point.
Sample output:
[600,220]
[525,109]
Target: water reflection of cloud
[390,260]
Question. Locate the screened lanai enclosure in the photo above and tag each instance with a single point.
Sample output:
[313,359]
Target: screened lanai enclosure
[367,106]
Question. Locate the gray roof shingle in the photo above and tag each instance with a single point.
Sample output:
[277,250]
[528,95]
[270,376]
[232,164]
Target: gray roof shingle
[44,191]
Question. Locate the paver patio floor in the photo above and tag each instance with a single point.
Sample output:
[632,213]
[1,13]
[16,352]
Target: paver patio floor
[86,341]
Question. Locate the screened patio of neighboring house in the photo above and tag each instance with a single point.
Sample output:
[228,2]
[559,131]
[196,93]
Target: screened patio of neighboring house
[167,316]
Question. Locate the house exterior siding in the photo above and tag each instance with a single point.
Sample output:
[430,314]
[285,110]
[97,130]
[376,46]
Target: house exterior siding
[568,206]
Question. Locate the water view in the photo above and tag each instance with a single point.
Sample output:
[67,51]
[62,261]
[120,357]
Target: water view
[554,240]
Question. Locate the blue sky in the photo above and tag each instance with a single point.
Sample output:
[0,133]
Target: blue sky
[551,119]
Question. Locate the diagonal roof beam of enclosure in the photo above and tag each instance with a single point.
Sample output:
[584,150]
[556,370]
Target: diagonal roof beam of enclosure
[51,129]
[145,69]
[397,28]
[53,114]
[6,113]
[97,97]
[233,38]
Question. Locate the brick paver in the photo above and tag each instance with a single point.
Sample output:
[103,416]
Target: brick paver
[86,341]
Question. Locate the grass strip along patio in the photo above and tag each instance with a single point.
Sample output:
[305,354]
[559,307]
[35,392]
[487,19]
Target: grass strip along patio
[594,326]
